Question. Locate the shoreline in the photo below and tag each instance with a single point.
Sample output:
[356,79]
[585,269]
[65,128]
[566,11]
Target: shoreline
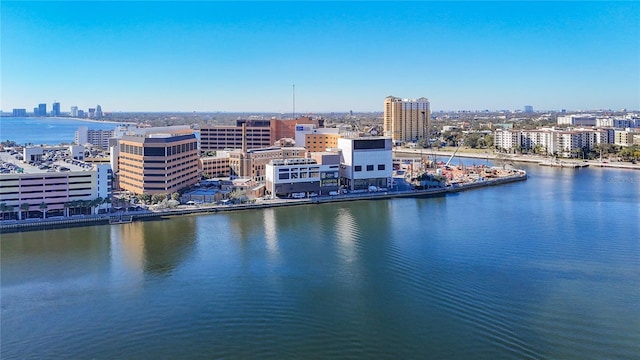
[88,120]
[70,118]
[513,158]
[124,218]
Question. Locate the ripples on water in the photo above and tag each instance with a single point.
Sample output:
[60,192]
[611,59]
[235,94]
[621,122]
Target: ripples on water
[540,270]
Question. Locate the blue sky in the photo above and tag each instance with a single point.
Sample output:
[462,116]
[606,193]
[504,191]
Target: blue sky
[341,56]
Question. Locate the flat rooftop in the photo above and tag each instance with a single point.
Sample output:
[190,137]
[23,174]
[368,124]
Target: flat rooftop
[11,164]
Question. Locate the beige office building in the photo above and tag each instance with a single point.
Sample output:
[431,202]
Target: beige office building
[318,142]
[406,120]
[251,164]
[158,160]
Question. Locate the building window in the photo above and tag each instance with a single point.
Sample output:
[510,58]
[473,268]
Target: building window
[358,168]
[369,167]
[283,176]
[381,167]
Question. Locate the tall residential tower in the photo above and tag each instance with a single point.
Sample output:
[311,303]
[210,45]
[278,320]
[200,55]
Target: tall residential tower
[406,120]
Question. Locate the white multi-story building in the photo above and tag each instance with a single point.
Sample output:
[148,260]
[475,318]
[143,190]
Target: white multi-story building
[98,138]
[577,120]
[366,162]
[552,141]
[286,177]
[507,139]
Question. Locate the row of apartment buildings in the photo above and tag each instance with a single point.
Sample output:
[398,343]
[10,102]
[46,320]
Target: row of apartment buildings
[556,141]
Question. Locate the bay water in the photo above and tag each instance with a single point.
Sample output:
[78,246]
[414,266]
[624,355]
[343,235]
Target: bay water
[46,130]
[548,268]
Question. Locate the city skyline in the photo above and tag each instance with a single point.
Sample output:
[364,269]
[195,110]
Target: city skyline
[341,56]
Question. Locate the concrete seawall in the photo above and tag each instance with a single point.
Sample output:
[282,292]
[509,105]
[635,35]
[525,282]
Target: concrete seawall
[29,225]
[511,158]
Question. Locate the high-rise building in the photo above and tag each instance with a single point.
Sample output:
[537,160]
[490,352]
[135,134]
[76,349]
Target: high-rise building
[74,111]
[528,109]
[56,109]
[98,112]
[95,137]
[158,160]
[19,112]
[42,110]
[406,120]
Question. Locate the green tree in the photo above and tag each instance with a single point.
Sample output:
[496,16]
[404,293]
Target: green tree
[3,208]
[107,201]
[472,140]
[24,207]
[576,152]
[488,140]
[175,196]
[145,198]
[43,207]
[423,143]
[156,198]
[67,205]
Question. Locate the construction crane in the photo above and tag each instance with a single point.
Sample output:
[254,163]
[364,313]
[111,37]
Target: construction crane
[451,158]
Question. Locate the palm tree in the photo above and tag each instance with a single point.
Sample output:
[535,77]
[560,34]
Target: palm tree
[24,207]
[43,207]
[3,209]
[87,204]
[67,205]
[107,201]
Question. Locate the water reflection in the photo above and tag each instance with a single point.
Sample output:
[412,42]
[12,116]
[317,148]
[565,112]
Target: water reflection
[346,233]
[153,246]
[127,252]
[270,231]
[74,252]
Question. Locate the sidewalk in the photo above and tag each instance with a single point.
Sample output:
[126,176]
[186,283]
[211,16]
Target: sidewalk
[511,157]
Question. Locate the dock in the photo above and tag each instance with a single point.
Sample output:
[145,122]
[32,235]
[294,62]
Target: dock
[564,164]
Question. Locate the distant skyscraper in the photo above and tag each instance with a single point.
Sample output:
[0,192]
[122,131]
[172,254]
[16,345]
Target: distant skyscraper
[92,112]
[35,111]
[406,120]
[528,109]
[98,112]
[42,109]
[56,109]
[19,112]
[74,111]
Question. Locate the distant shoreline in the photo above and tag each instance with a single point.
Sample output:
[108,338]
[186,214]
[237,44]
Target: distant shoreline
[70,118]
[92,120]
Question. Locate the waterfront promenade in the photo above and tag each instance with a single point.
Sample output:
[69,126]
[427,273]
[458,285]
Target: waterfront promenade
[124,217]
[510,157]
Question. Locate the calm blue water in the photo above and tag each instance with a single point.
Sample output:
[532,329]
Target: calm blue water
[49,131]
[543,269]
